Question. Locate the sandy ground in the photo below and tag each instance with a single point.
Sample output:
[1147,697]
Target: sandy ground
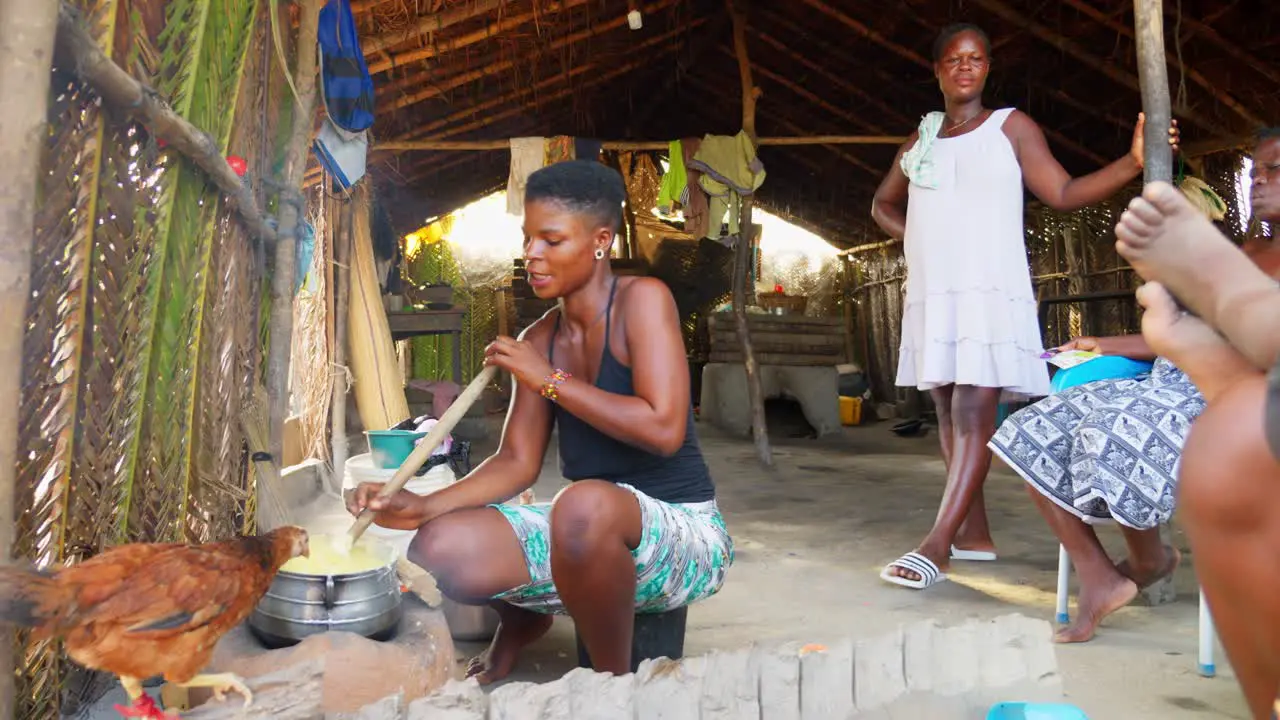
[812,534]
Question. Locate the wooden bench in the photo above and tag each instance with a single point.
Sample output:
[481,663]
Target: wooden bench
[654,635]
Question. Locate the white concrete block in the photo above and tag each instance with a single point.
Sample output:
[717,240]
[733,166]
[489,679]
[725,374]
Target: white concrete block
[731,686]
[780,683]
[391,707]
[919,706]
[594,696]
[955,670]
[1039,653]
[918,653]
[455,701]
[826,683]
[525,701]
[668,689]
[878,674]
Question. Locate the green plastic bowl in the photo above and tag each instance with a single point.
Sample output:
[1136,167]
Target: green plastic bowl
[390,448]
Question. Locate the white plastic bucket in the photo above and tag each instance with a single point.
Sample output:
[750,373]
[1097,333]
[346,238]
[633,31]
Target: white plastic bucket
[360,468]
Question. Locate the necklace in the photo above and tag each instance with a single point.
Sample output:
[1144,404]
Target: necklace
[951,130]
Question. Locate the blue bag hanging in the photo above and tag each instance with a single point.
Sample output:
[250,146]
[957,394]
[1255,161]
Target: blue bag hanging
[345,84]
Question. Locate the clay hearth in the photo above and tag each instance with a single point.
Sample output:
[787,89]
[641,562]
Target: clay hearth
[357,671]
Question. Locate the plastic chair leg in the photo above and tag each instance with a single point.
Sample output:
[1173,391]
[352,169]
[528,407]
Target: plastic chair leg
[1208,638]
[1064,581]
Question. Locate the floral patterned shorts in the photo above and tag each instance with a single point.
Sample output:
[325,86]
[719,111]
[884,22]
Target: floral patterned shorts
[683,555]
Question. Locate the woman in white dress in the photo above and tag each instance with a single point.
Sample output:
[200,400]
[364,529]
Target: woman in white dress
[970,334]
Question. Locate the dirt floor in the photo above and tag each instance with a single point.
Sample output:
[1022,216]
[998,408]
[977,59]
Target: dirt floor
[813,534]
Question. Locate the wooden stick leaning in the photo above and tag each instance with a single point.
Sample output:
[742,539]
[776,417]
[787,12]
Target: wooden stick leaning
[424,449]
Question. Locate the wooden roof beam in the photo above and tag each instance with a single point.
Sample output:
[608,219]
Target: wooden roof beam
[434,22]
[830,77]
[712,88]
[447,45]
[492,70]
[1196,76]
[868,33]
[811,97]
[1195,27]
[543,84]
[1074,49]
[516,110]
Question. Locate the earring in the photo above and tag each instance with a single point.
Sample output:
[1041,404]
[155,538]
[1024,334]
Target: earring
[599,253]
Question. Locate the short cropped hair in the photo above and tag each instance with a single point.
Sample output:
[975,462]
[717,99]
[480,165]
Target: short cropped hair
[950,31]
[583,187]
[1265,134]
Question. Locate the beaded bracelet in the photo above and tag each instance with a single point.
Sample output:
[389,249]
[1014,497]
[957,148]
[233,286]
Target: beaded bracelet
[551,386]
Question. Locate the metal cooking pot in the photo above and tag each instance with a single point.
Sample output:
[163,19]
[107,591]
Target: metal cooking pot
[298,605]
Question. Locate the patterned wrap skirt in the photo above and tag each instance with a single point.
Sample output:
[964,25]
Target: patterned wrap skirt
[1106,450]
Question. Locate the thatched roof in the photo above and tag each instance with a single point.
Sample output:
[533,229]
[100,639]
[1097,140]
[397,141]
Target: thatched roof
[492,69]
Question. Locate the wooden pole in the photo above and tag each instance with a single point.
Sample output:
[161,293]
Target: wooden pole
[342,303]
[1153,78]
[290,210]
[744,253]
[26,54]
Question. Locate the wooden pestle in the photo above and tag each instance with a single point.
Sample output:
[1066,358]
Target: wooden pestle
[424,449]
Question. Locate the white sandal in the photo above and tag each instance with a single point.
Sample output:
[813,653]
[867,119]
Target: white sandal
[913,561]
[972,555]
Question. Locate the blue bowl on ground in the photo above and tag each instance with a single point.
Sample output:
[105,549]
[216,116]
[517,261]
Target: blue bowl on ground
[1035,711]
[390,448]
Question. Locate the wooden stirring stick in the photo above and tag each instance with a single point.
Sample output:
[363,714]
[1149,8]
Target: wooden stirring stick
[424,449]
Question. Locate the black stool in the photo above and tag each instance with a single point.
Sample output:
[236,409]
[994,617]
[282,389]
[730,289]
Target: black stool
[654,635]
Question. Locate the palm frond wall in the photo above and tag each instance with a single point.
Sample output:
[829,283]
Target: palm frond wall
[141,345]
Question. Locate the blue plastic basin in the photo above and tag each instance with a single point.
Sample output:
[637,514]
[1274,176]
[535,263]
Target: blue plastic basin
[390,448]
[1035,711]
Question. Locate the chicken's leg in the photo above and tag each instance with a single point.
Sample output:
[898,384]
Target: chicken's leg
[141,704]
[220,684]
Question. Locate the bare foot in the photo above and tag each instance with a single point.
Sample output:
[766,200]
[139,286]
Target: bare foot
[1094,604]
[1189,343]
[1144,576]
[1168,241]
[519,628]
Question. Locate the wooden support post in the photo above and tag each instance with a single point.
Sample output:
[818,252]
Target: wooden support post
[1153,79]
[744,256]
[290,214]
[26,53]
[342,304]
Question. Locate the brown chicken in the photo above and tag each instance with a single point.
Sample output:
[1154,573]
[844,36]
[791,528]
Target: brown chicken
[142,610]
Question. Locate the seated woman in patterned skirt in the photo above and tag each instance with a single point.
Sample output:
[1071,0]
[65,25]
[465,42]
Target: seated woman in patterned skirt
[1110,450]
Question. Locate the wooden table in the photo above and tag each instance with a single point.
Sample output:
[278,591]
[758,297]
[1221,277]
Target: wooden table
[417,323]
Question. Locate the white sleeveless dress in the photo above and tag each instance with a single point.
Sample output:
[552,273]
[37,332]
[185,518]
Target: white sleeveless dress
[969,317]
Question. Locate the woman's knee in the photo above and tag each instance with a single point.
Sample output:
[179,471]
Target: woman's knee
[591,512]
[974,408]
[437,549]
[1227,474]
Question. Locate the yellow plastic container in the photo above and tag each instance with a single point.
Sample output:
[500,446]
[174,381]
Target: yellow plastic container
[850,410]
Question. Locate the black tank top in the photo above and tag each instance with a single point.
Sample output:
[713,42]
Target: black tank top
[587,453]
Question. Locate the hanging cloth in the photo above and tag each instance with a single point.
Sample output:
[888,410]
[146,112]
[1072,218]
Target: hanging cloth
[730,169]
[558,149]
[527,156]
[696,210]
[345,84]
[674,182]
